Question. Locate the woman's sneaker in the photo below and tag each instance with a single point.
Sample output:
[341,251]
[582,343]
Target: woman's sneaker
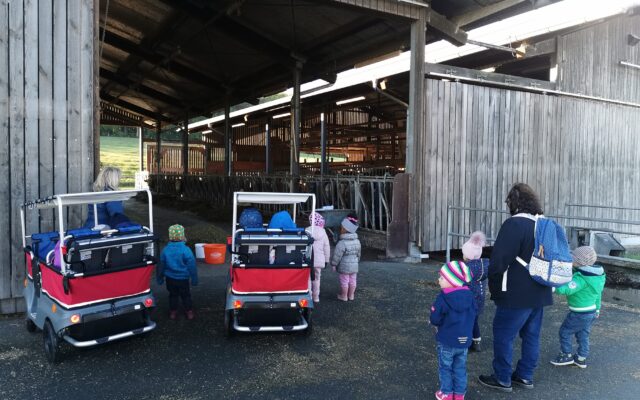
[563,359]
[580,361]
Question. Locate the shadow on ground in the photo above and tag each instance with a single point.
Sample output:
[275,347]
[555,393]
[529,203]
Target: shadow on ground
[376,347]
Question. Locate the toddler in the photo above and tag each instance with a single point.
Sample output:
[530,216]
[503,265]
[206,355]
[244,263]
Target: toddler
[472,253]
[453,314]
[320,253]
[346,257]
[584,294]
[177,265]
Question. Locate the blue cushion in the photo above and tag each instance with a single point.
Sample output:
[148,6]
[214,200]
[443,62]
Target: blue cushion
[43,243]
[83,233]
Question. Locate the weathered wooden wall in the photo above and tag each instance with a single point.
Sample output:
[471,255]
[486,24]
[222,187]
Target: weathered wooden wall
[480,140]
[46,119]
[589,60]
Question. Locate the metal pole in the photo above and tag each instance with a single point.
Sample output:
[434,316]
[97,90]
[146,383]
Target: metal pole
[185,146]
[158,156]
[227,138]
[449,228]
[267,154]
[139,129]
[323,144]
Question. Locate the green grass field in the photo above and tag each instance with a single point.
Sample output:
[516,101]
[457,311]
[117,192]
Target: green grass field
[121,152]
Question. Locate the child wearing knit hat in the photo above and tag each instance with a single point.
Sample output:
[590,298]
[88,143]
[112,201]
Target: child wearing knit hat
[453,314]
[472,255]
[584,294]
[321,251]
[346,258]
[177,265]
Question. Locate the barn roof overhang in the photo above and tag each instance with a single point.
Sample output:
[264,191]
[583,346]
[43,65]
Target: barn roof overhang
[174,59]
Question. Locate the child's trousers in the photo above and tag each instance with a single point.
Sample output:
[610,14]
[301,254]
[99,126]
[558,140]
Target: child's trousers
[315,284]
[179,289]
[578,324]
[452,368]
[347,280]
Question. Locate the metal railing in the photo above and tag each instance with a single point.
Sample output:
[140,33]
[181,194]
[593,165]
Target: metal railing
[370,197]
[451,234]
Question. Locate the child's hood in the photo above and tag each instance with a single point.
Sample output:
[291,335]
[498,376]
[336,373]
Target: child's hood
[349,236]
[594,276]
[459,300]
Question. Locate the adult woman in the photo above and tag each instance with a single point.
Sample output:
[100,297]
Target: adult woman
[112,212]
[519,299]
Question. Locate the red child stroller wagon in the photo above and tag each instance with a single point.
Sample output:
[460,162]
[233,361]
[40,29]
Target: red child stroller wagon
[269,277]
[87,286]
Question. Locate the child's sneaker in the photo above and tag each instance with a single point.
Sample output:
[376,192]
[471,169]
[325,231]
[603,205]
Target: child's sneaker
[563,359]
[580,361]
[190,315]
[173,315]
[458,396]
[475,346]
[442,396]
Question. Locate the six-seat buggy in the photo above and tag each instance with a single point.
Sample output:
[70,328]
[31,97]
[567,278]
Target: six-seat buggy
[269,277]
[87,286]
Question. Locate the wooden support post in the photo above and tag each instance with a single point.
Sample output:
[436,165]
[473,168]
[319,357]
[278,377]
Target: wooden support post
[295,122]
[415,123]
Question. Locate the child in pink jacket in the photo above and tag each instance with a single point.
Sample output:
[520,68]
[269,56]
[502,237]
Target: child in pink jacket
[320,252]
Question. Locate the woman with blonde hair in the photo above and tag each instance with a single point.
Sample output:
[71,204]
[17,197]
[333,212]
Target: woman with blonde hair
[112,212]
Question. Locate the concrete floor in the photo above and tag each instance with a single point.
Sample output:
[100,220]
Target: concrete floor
[376,347]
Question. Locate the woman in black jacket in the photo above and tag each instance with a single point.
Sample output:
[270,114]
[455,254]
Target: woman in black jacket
[519,299]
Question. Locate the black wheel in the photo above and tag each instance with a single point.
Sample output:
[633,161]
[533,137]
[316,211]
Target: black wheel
[228,323]
[51,343]
[307,316]
[31,327]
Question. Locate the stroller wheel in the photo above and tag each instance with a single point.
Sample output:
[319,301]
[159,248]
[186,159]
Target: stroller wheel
[228,323]
[31,327]
[51,343]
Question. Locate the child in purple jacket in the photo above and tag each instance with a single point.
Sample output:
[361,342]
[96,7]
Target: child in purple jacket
[472,253]
[453,314]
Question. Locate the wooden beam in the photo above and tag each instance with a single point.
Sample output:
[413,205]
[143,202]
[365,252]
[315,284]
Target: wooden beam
[247,35]
[449,72]
[408,9]
[447,29]
[140,88]
[151,114]
[473,16]
[162,61]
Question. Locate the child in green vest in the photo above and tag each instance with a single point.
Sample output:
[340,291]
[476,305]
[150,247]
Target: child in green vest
[584,294]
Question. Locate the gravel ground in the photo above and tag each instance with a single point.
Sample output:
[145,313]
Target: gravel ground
[376,347]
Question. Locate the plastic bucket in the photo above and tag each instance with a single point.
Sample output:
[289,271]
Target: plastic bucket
[200,250]
[215,253]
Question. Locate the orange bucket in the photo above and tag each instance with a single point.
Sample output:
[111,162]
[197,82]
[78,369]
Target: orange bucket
[215,253]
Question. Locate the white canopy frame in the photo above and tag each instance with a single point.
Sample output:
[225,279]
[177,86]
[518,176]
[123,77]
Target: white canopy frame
[60,201]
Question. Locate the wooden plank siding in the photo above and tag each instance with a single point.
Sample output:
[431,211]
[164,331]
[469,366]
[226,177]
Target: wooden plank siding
[481,140]
[393,7]
[590,60]
[44,67]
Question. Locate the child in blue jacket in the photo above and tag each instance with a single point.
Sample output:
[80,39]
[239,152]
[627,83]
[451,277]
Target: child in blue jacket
[453,314]
[479,267]
[177,265]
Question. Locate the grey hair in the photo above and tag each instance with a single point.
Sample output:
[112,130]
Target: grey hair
[108,178]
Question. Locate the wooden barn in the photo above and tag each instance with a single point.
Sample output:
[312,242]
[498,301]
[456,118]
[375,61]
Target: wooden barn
[559,110]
